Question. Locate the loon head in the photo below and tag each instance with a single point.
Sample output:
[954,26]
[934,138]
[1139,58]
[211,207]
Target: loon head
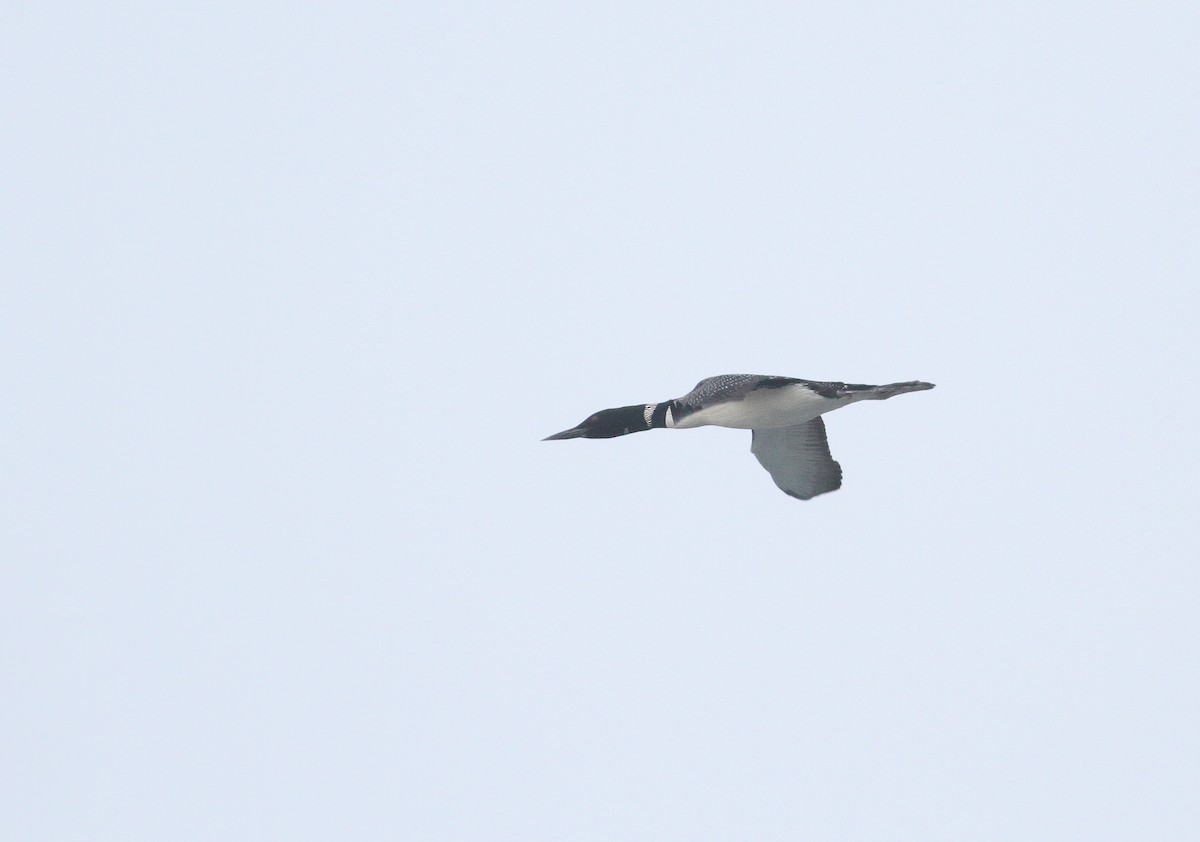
[607,424]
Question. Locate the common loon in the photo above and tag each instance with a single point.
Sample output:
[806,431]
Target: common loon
[783,412]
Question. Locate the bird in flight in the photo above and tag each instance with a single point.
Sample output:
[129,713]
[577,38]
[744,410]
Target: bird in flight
[784,414]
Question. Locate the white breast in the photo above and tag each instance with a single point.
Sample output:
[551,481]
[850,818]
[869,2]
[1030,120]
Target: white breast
[764,409]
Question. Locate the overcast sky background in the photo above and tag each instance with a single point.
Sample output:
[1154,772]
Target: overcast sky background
[292,294]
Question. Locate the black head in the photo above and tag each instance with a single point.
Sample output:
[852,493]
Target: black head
[607,424]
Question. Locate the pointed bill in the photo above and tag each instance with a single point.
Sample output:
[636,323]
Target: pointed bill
[573,433]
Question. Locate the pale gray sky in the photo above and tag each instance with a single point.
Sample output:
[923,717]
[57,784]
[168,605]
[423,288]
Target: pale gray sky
[293,293]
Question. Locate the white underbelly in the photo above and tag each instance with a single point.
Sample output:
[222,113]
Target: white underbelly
[783,407]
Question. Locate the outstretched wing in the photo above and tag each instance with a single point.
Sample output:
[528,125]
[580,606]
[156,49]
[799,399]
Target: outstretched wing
[798,458]
[730,387]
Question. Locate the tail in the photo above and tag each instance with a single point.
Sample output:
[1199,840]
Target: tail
[882,393]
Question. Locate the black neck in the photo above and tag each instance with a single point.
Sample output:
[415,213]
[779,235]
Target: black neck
[658,418]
